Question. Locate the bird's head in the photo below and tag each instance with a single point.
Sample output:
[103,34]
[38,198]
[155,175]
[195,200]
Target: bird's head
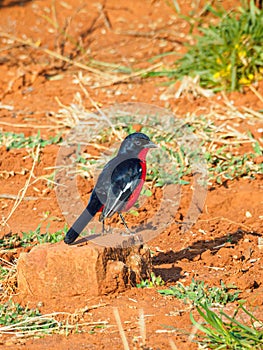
[136,144]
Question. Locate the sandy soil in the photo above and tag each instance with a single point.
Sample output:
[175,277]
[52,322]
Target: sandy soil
[223,245]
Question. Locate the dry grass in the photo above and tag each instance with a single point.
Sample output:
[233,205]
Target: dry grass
[56,322]
[22,192]
[102,77]
[8,283]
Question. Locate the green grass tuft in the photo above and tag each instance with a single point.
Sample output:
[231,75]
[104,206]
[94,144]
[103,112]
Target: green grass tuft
[198,293]
[11,313]
[10,241]
[226,56]
[225,332]
[153,281]
[13,141]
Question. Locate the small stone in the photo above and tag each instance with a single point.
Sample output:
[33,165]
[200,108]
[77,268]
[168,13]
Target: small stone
[260,242]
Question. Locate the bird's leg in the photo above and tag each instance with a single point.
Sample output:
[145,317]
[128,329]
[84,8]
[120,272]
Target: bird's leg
[104,230]
[103,227]
[125,224]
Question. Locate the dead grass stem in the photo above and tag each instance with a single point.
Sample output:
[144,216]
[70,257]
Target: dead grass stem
[22,192]
[30,126]
[121,330]
[56,322]
[9,282]
[56,55]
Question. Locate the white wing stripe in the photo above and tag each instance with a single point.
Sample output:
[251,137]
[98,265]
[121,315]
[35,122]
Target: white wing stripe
[129,184]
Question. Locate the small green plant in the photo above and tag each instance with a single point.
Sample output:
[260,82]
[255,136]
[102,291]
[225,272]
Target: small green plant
[25,322]
[12,140]
[154,281]
[227,55]
[22,321]
[225,332]
[3,272]
[11,313]
[41,238]
[198,293]
[222,165]
[32,237]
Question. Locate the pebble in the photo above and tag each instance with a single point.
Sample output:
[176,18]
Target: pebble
[248,214]
[260,242]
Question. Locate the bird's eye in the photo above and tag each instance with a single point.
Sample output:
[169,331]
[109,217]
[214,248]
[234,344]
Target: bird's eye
[137,142]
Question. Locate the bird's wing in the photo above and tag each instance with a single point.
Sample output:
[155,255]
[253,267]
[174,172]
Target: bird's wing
[124,180]
[104,180]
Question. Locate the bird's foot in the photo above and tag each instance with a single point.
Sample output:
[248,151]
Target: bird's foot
[106,231]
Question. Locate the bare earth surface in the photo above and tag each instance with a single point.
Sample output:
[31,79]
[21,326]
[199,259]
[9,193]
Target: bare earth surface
[223,245]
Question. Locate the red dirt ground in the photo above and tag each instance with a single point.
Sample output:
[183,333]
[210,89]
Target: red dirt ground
[221,246]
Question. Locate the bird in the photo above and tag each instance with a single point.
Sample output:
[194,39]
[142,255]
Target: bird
[118,186]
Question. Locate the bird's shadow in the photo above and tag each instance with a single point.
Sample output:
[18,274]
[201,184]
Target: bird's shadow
[146,226]
[173,274]
[12,3]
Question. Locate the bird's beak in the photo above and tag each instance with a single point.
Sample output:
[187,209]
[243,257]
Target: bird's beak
[150,144]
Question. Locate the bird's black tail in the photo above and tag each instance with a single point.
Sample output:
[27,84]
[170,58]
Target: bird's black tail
[71,236]
[78,226]
[85,217]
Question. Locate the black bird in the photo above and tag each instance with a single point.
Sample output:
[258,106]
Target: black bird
[118,186]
